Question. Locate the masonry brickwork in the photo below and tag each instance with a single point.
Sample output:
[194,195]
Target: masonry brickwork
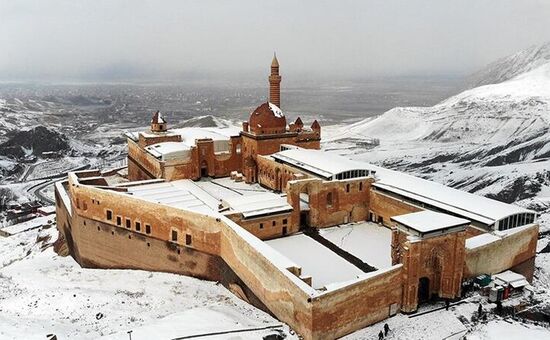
[103,226]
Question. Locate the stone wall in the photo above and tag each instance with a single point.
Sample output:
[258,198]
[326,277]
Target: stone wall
[332,202]
[514,248]
[358,304]
[101,243]
[436,259]
[203,161]
[385,207]
[268,227]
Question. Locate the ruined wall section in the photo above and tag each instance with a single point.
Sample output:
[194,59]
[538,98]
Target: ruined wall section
[276,175]
[332,202]
[203,161]
[511,249]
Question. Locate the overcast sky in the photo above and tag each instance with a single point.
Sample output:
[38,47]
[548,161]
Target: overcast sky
[60,39]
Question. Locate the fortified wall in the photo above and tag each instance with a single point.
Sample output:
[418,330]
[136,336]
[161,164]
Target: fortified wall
[203,244]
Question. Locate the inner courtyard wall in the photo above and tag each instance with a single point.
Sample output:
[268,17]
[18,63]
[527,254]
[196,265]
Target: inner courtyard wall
[332,202]
[384,207]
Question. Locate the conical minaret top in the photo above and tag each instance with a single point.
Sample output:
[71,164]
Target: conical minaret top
[275,82]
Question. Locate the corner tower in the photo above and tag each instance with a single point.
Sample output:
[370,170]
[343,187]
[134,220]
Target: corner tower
[275,82]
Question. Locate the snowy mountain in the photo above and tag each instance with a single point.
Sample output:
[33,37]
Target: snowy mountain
[491,139]
[511,66]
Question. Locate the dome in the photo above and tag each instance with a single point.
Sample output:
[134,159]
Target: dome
[267,118]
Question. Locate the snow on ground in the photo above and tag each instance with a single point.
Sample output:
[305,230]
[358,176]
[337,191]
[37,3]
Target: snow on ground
[321,263]
[441,324]
[367,241]
[41,293]
[498,330]
[199,321]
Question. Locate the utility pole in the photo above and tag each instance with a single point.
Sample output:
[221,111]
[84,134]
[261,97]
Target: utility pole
[130,334]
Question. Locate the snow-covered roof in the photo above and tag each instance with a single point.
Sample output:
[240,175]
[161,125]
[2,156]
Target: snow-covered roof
[27,225]
[169,150]
[190,134]
[319,162]
[260,204]
[510,278]
[457,202]
[183,194]
[47,210]
[473,207]
[427,221]
[276,110]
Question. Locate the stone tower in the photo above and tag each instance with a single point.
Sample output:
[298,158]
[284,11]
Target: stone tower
[275,83]
[158,124]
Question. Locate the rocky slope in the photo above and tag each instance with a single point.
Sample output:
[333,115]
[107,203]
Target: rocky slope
[35,142]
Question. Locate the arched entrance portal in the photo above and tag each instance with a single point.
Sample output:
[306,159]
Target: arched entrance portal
[204,169]
[423,289]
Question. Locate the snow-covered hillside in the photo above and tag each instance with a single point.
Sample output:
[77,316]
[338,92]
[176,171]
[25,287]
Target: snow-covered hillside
[511,66]
[42,293]
[492,139]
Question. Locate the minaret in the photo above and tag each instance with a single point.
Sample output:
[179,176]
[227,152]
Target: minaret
[275,83]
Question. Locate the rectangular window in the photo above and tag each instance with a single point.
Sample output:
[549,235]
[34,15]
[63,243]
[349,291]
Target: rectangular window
[285,221]
[128,223]
[147,229]
[347,187]
[109,215]
[261,225]
[360,186]
[175,235]
[188,239]
[118,220]
[138,226]
[274,223]
[329,199]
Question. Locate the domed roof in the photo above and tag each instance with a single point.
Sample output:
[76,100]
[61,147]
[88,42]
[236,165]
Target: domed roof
[267,118]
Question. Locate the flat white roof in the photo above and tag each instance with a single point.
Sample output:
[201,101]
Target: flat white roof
[319,262]
[368,241]
[190,134]
[427,221]
[183,194]
[259,204]
[168,150]
[510,277]
[471,206]
[319,162]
